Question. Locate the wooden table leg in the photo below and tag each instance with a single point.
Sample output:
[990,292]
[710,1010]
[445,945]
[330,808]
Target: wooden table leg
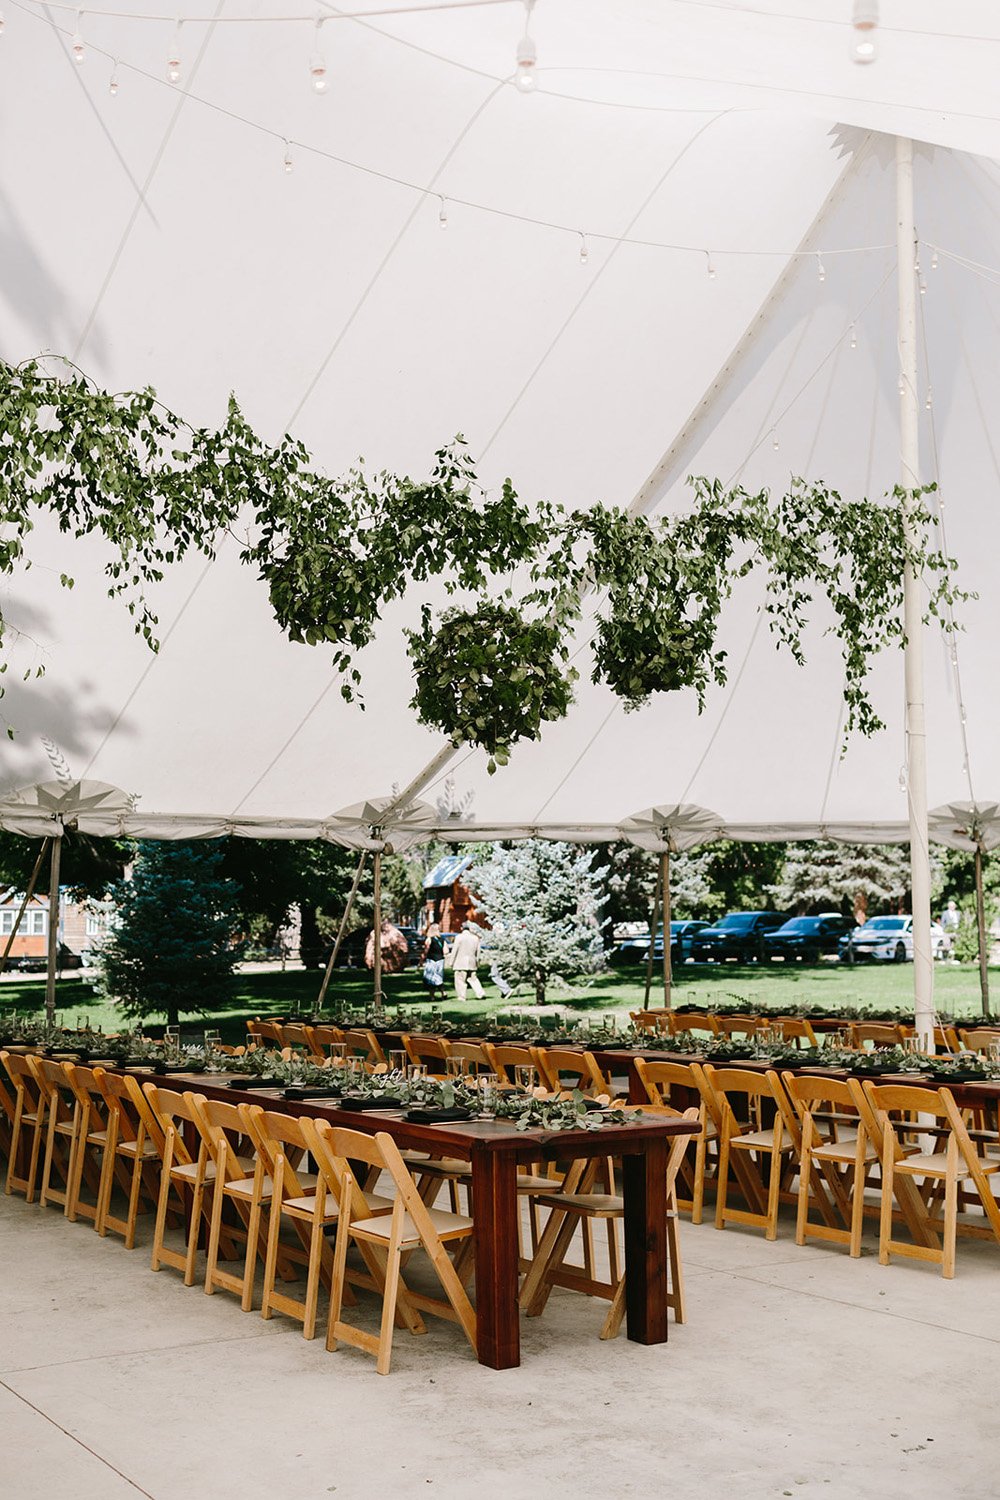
[494,1196]
[645,1190]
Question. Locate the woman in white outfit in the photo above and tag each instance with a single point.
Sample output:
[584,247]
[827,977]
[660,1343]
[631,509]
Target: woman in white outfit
[464,961]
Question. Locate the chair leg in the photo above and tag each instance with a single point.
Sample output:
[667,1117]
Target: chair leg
[885,1215]
[194,1231]
[722,1187]
[215,1224]
[250,1264]
[774,1188]
[135,1188]
[805,1169]
[107,1176]
[339,1276]
[950,1211]
[312,1272]
[700,1155]
[858,1195]
[676,1297]
[161,1204]
[271,1260]
[388,1308]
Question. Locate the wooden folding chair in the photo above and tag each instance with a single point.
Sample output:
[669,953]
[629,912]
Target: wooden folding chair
[563,1069]
[745,1026]
[902,1112]
[301,1038]
[879,1034]
[224,1130]
[795,1029]
[300,1200]
[27,1126]
[979,1038]
[62,1112]
[8,1108]
[408,1226]
[581,1204]
[774,1143]
[430,1052]
[182,1173]
[470,1056]
[505,1059]
[678,1023]
[360,1042]
[688,1083]
[92,1135]
[329,1039]
[261,1032]
[837,1142]
[650,1020]
[128,1145]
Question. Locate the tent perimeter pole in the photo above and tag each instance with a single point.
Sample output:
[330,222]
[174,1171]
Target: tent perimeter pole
[340,933]
[916,735]
[53,945]
[668,972]
[652,936]
[984,973]
[27,897]
[377,935]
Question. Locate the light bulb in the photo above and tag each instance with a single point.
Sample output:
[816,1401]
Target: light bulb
[774,441]
[443,215]
[317,72]
[864,21]
[2,23]
[934,260]
[77,47]
[113,85]
[922,286]
[820,268]
[930,399]
[711,268]
[584,253]
[288,164]
[173,66]
[903,779]
[527,57]
[854,337]
[902,386]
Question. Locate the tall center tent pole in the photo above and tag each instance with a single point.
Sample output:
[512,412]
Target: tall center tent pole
[913,612]
[53,944]
[377,937]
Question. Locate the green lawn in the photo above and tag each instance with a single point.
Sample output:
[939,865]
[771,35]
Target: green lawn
[888,987]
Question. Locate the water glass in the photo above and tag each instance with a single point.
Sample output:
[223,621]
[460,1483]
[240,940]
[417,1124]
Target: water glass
[173,1039]
[456,1067]
[487,1085]
[398,1061]
[524,1075]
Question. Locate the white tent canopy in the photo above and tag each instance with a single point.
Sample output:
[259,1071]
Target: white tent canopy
[154,237]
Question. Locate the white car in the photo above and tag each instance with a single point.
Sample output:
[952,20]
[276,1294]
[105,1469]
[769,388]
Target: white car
[889,940]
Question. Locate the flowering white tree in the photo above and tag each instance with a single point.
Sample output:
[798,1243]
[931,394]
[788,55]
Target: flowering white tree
[543,902]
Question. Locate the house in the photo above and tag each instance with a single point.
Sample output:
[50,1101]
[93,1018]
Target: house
[82,926]
[447,899]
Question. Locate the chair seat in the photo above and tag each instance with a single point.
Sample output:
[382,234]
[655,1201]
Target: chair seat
[536,1182]
[759,1140]
[935,1164]
[442,1166]
[845,1150]
[242,1187]
[447,1225]
[305,1207]
[129,1148]
[595,1205]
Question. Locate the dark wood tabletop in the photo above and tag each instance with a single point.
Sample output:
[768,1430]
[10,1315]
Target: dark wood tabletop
[495,1149]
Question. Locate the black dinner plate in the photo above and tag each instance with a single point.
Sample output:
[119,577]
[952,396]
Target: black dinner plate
[418,1115]
[380,1101]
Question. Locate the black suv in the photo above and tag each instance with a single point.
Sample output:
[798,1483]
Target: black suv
[806,938]
[739,935]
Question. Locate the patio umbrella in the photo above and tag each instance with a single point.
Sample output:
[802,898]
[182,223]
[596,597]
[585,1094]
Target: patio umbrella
[972,826]
[668,830]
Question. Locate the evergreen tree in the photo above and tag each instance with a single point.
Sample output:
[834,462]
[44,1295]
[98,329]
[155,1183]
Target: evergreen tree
[852,878]
[543,902]
[173,943]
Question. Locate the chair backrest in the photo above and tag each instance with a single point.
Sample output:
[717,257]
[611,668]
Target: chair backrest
[277,1139]
[430,1051]
[327,1036]
[650,1020]
[471,1055]
[86,1085]
[298,1034]
[677,1023]
[879,1033]
[505,1058]
[979,1038]
[119,1091]
[223,1129]
[658,1078]
[562,1068]
[335,1148]
[796,1029]
[746,1083]
[739,1025]
[360,1042]
[55,1085]
[265,1031]
[813,1094]
[24,1078]
[173,1111]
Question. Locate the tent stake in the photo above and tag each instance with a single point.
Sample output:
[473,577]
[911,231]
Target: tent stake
[53,946]
[27,897]
[913,651]
[340,935]
[652,936]
[668,959]
[984,977]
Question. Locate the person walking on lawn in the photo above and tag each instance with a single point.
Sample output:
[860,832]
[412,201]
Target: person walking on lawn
[463,960]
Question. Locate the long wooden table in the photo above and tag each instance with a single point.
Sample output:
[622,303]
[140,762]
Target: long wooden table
[495,1150]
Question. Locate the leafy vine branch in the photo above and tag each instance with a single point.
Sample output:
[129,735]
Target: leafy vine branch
[494,666]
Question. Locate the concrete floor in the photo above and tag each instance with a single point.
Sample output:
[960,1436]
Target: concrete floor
[798,1373]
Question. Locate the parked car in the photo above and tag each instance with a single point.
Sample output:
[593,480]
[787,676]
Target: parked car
[633,950]
[806,938]
[37,963]
[739,935]
[888,940]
